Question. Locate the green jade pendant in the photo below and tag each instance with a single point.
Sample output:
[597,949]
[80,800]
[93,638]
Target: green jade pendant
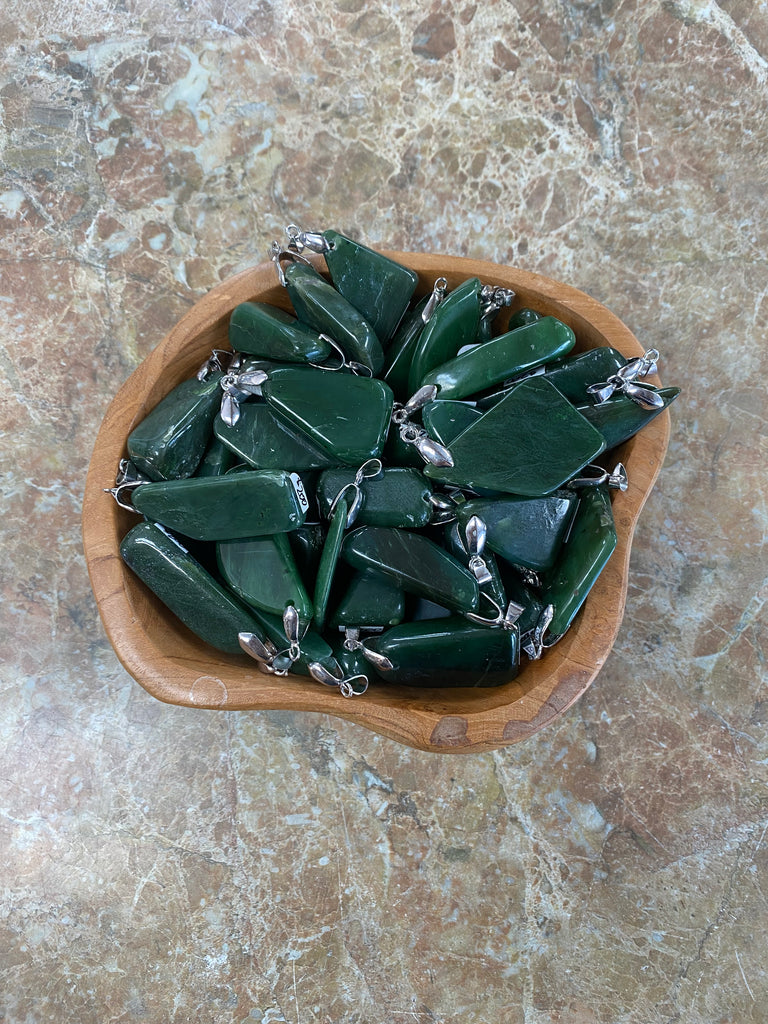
[307,547]
[415,563]
[589,546]
[263,441]
[378,287]
[262,572]
[372,599]
[313,646]
[574,375]
[397,365]
[217,461]
[522,317]
[531,443]
[399,496]
[455,543]
[238,505]
[329,559]
[270,333]
[453,324]
[171,440]
[183,585]
[318,304]
[619,418]
[446,420]
[524,531]
[345,416]
[513,353]
[448,652]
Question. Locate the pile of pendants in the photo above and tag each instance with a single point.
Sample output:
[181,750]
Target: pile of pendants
[380,488]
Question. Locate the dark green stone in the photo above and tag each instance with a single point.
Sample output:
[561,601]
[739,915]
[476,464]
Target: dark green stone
[181,583]
[248,504]
[271,333]
[262,572]
[313,646]
[397,365]
[398,453]
[452,325]
[416,563]
[589,546]
[531,443]
[372,599]
[522,594]
[345,416]
[513,353]
[455,543]
[446,420]
[307,547]
[378,287]
[353,663]
[522,317]
[525,531]
[398,497]
[265,442]
[217,461]
[326,570]
[321,307]
[448,652]
[573,376]
[169,443]
[619,418]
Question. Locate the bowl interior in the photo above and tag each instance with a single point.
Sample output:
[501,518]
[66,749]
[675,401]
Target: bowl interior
[176,667]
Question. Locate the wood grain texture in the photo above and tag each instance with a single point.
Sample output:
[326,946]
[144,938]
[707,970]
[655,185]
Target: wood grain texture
[174,666]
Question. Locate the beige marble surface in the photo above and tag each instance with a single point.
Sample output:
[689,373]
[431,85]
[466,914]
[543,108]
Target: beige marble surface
[163,864]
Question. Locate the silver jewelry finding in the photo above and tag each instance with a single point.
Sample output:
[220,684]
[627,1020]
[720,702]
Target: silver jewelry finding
[622,382]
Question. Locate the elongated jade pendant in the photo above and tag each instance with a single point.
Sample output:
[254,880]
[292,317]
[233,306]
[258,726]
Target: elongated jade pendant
[589,546]
[525,531]
[397,364]
[270,333]
[378,287]
[181,583]
[263,441]
[345,416]
[619,418]
[531,443]
[307,547]
[248,504]
[452,325]
[455,543]
[446,420]
[572,376]
[262,572]
[169,443]
[318,304]
[398,497]
[416,563]
[217,460]
[329,559]
[313,646]
[510,354]
[372,599]
[448,652]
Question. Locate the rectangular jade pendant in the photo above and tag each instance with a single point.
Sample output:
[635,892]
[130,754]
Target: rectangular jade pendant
[241,504]
[399,496]
[184,586]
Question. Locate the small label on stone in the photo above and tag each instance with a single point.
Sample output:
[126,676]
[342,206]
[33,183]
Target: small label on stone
[301,494]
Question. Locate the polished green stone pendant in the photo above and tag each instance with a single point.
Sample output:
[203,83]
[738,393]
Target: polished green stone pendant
[313,646]
[307,547]
[378,287]
[171,440]
[522,317]
[525,531]
[397,363]
[619,418]
[446,420]
[452,325]
[263,441]
[524,595]
[491,581]
[319,305]
[329,559]
[181,583]
[448,652]
[218,459]
[414,562]
[531,443]
[346,416]
[270,333]
[574,375]
[263,573]
[510,354]
[589,546]
[372,599]
[248,504]
[399,496]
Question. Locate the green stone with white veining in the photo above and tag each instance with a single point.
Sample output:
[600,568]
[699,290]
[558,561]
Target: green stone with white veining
[399,496]
[263,573]
[270,333]
[264,441]
[415,563]
[446,420]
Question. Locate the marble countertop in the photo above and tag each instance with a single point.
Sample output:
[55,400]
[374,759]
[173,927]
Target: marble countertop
[168,865]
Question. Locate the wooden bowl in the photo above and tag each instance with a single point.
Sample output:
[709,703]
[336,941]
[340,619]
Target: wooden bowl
[174,666]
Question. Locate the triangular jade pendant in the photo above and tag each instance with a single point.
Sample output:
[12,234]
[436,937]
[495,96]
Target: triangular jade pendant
[346,416]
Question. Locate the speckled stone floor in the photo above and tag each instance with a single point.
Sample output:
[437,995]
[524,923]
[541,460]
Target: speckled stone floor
[170,865]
